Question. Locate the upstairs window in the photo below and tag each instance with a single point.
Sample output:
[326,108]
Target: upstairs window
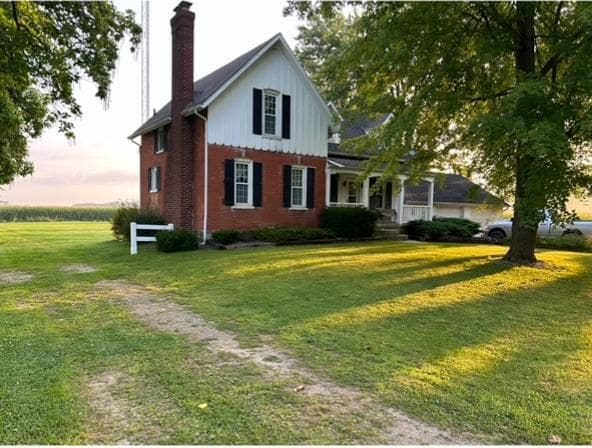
[160,141]
[270,114]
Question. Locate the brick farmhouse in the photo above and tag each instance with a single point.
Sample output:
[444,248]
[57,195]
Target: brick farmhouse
[254,144]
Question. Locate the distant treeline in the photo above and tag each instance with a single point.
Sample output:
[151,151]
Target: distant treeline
[11,213]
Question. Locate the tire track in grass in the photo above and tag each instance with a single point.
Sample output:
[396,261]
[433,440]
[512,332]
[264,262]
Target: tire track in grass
[394,426]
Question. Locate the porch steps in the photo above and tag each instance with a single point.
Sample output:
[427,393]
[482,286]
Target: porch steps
[390,231]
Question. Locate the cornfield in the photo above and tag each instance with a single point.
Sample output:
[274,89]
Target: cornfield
[11,213]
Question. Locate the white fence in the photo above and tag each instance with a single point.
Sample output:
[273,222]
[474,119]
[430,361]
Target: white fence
[413,212]
[135,239]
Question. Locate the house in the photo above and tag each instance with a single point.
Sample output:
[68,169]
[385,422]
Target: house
[249,145]
[439,194]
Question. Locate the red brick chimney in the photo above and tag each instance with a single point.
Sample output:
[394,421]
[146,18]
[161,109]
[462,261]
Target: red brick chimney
[179,203]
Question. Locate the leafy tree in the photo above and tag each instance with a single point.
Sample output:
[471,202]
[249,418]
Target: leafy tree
[45,49]
[504,89]
[321,46]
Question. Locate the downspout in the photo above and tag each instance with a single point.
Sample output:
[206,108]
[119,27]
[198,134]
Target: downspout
[140,168]
[205,214]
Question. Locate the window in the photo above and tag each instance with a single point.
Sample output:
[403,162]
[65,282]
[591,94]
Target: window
[243,176]
[161,137]
[352,192]
[270,113]
[154,179]
[298,186]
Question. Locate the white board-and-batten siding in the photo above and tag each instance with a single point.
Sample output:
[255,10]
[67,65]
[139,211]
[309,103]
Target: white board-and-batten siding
[230,116]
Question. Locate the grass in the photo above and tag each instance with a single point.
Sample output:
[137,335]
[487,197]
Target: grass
[443,331]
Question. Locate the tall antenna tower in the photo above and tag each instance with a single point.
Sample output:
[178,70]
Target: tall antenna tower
[145,57]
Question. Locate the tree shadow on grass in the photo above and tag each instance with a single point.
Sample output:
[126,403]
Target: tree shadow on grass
[497,362]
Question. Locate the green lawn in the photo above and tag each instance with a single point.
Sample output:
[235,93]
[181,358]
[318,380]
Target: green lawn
[445,332]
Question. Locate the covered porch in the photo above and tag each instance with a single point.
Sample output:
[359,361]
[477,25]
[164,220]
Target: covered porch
[344,189]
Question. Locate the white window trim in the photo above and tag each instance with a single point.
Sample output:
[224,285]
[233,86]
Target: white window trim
[278,114]
[160,149]
[249,204]
[304,185]
[153,177]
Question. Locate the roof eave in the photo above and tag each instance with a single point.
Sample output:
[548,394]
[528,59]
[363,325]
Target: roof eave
[152,127]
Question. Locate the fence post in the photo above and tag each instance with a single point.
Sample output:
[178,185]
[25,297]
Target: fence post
[133,240]
[171,227]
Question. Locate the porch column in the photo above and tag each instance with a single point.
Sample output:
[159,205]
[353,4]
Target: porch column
[366,192]
[401,200]
[430,199]
[327,185]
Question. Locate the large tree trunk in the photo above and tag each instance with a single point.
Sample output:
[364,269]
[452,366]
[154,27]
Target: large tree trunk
[523,241]
[523,238]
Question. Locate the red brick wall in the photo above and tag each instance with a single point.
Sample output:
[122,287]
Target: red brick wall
[149,159]
[272,212]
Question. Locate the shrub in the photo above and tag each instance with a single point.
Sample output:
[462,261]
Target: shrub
[226,236]
[287,234]
[441,229]
[127,213]
[576,243]
[176,241]
[273,235]
[349,222]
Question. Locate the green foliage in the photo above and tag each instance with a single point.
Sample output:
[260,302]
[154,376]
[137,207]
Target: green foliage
[321,45]
[288,234]
[498,88]
[273,235]
[25,213]
[46,48]
[127,213]
[177,241]
[441,229]
[349,222]
[576,243]
[226,236]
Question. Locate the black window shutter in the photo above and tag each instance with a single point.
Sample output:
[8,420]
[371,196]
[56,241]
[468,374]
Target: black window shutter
[158,178]
[286,114]
[149,179]
[334,188]
[310,187]
[165,131]
[155,133]
[257,111]
[287,186]
[229,182]
[257,184]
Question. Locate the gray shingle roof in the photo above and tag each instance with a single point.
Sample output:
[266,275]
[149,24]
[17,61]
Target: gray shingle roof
[454,189]
[203,89]
[361,126]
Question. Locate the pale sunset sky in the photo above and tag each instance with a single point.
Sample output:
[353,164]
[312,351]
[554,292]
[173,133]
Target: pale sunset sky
[102,165]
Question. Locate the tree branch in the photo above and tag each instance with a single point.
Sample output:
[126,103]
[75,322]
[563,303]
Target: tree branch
[15,15]
[490,97]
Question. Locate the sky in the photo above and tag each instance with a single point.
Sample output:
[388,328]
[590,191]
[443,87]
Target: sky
[102,165]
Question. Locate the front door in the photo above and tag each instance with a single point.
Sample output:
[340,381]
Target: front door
[377,196]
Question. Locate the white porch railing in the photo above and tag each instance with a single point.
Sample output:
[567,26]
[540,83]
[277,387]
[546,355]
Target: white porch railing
[346,204]
[413,212]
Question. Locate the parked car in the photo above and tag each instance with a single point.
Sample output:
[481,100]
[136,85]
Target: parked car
[500,230]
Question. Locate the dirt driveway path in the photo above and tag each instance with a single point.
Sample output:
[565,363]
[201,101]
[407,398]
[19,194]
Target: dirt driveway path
[395,427]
